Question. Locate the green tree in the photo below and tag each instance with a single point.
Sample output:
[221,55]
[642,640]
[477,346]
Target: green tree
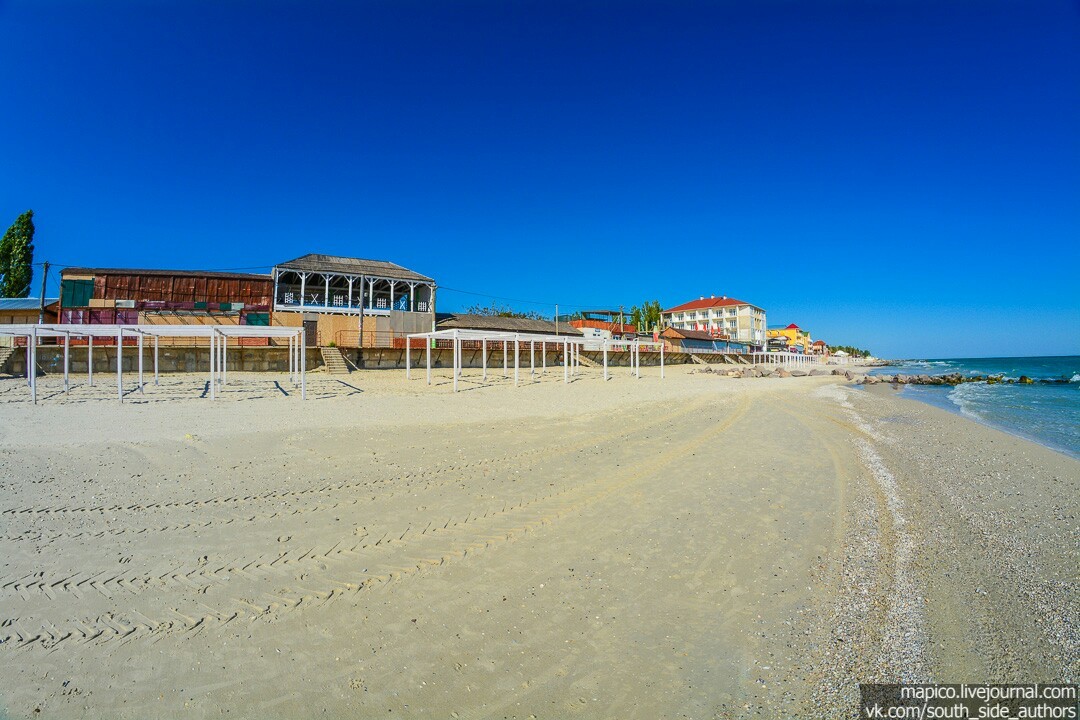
[17,257]
[495,310]
[850,350]
[647,317]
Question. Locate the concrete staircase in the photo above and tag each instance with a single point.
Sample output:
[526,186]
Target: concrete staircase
[5,356]
[334,361]
[589,362]
[696,360]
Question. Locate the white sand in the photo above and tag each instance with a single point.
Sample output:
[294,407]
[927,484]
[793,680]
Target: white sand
[696,547]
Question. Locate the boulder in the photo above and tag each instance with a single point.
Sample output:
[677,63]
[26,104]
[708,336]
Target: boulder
[923,379]
[837,371]
[819,371]
[849,375]
[799,373]
[1025,380]
[871,380]
[782,373]
[901,379]
[885,378]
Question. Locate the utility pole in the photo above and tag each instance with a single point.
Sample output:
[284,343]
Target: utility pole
[556,318]
[41,298]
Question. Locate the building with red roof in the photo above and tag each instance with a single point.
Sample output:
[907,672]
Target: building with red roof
[722,317]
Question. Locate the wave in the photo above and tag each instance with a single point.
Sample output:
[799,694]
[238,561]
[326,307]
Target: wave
[968,397]
[1075,378]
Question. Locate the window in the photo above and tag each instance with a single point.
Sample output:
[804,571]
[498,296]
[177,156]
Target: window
[76,293]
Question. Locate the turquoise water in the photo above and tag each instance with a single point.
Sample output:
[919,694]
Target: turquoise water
[1049,414]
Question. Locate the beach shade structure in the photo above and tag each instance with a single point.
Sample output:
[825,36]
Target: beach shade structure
[634,348]
[511,342]
[571,348]
[789,359]
[218,336]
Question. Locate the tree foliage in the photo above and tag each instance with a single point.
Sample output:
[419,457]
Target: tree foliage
[850,350]
[496,310]
[647,317]
[17,257]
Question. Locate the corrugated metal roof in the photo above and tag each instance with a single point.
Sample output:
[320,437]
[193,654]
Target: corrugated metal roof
[689,334]
[503,324]
[10,304]
[167,273]
[313,262]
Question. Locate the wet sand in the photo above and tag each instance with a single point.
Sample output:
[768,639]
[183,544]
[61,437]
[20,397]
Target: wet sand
[693,547]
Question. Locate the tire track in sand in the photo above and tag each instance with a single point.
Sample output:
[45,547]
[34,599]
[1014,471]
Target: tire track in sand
[247,589]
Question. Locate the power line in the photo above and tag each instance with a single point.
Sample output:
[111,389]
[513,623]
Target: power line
[517,300]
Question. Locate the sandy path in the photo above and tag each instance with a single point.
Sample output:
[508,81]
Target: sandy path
[699,548]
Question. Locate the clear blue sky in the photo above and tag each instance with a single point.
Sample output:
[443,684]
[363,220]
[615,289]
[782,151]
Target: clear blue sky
[904,176]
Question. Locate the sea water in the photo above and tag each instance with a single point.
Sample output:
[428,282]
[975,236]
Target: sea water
[1048,414]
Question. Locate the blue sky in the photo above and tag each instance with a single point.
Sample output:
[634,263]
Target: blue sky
[903,176]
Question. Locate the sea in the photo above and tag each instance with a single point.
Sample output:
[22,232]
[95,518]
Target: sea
[1048,414]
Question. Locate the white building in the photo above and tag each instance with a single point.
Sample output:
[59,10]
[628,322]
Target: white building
[722,317]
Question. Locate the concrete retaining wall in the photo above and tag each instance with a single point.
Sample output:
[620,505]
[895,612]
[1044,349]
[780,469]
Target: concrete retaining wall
[50,359]
[373,358]
[276,359]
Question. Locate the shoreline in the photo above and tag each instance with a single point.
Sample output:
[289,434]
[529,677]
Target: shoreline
[951,408]
[638,548]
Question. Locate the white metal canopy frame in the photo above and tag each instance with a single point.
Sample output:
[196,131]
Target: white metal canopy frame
[219,344]
[571,348]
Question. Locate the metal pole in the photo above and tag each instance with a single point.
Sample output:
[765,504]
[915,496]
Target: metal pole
[408,357]
[29,355]
[140,362]
[532,358]
[120,364]
[90,361]
[31,342]
[428,342]
[565,364]
[67,344]
[543,357]
[605,360]
[661,360]
[303,366]
[455,360]
[224,359]
[213,362]
[483,351]
[505,360]
[637,364]
[157,377]
[516,354]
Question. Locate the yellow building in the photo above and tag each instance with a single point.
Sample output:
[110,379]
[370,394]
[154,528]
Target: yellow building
[789,339]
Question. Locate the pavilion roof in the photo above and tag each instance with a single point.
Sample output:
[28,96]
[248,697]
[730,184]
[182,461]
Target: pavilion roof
[313,262]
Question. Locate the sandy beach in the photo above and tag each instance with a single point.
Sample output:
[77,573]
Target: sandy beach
[697,547]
